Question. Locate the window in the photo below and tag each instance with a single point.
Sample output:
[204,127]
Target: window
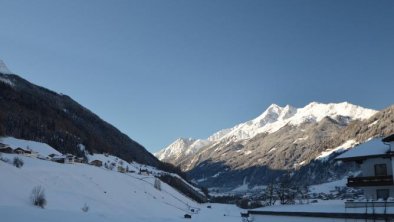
[382,194]
[380,170]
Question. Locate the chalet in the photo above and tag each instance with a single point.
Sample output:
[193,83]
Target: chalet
[52,155]
[376,161]
[42,157]
[22,151]
[58,159]
[6,150]
[144,172]
[79,160]
[69,158]
[97,163]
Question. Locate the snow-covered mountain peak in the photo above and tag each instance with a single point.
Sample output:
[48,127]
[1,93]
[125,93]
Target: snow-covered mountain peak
[181,147]
[271,120]
[317,111]
[274,107]
[275,112]
[4,69]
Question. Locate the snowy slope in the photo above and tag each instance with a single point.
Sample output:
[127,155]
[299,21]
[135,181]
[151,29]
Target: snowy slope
[111,196]
[271,120]
[69,186]
[327,187]
[41,148]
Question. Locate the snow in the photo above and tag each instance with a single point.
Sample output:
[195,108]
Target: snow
[121,197]
[41,148]
[242,188]
[301,139]
[275,117]
[7,81]
[4,69]
[111,196]
[272,149]
[270,121]
[372,147]
[300,163]
[328,187]
[181,147]
[374,123]
[81,147]
[346,145]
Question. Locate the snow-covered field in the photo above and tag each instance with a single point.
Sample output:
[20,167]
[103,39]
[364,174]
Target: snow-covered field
[111,196]
[328,187]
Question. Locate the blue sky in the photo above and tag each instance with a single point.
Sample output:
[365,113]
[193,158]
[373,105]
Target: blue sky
[159,70]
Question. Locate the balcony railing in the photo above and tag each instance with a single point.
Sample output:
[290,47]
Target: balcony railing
[370,181]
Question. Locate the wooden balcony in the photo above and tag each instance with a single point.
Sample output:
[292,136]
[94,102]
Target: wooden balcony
[370,181]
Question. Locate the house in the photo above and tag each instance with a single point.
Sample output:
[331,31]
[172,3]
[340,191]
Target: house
[42,157]
[22,151]
[376,161]
[58,159]
[52,155]
[6,150]
[144,172]
[69,158]
[97,163]
[33,154]
[79,160]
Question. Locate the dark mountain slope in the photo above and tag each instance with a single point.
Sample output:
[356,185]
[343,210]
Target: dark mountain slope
[32,112]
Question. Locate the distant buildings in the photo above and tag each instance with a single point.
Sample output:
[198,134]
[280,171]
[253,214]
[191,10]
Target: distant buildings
[67,158]
[97,163]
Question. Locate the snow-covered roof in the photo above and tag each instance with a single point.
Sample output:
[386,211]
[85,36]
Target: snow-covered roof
[41,148]
[374,147]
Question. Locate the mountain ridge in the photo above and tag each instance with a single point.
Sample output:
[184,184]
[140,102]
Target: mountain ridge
[271,120]
[32,112]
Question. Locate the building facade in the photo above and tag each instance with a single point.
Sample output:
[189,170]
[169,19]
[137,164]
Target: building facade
[376,161]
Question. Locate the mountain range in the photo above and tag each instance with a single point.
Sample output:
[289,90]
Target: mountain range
[301,142]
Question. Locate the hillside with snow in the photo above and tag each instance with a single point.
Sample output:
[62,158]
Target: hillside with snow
[108,194]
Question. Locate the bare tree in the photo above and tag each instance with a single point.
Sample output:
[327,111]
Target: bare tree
[37,196]
[285,191]
[157,184]
[269,194]
[18,162]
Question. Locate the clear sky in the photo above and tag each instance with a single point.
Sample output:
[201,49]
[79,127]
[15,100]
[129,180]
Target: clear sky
[159,70]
